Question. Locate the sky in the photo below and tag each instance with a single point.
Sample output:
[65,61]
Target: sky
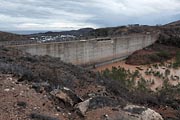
[75,14]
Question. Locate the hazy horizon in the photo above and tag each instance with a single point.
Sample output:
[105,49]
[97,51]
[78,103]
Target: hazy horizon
[26,32]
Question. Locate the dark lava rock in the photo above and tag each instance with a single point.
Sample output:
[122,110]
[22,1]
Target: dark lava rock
[100,102]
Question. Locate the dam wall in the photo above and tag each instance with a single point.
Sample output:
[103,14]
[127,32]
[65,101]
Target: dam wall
[94,51]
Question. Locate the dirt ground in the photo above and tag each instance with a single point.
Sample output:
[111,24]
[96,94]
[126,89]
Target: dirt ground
[19,101]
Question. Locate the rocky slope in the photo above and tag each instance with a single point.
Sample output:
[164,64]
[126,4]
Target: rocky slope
[153,54]
[45,88]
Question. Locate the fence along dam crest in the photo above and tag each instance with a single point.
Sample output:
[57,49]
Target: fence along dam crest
[91,52]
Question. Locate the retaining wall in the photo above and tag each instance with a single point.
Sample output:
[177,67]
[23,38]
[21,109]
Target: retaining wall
[94,51]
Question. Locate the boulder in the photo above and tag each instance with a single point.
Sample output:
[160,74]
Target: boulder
[83,106]
[133,112]
[102,101]
[66,95]
[40,86]
[130,112]
[95,103]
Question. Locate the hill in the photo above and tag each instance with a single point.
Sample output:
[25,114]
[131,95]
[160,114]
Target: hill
[102,32]
[5,36]
[80,32]
[170,34]
[176,23]
[113,31]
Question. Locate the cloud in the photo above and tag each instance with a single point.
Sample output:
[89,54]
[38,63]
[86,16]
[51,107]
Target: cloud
[75,14]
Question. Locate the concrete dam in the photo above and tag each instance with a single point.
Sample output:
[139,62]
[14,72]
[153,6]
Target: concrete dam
[94,51]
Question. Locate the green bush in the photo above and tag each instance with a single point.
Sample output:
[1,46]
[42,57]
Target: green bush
[164,54]
[142,85]
[176,64]
[124,77]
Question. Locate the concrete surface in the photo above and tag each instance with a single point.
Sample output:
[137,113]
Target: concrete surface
[94,51]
